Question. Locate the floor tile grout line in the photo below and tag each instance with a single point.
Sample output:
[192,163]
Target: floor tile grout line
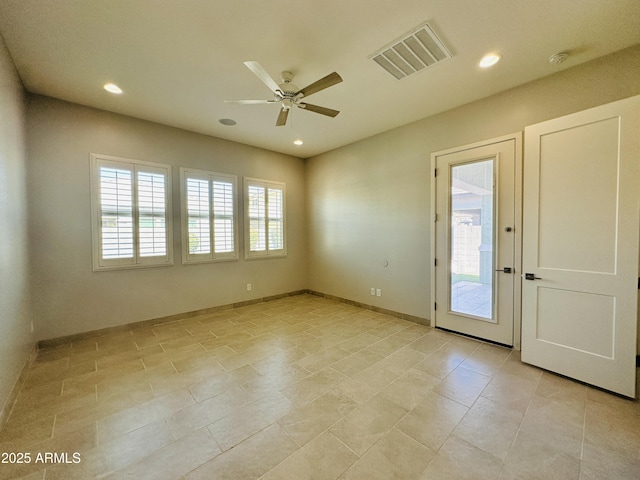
[283,460]
[327,431]
[584,431]
[469,408]
[524,415]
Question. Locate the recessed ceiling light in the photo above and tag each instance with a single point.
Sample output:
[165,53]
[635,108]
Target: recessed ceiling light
[112,88]
[298,142]
[489,60]
[227,121]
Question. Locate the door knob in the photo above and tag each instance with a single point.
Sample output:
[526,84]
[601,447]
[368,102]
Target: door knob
[505,270]
[531,276]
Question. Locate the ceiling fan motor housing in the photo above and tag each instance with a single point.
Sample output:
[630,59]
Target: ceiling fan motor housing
[288,89]
[286,76]
[288,98]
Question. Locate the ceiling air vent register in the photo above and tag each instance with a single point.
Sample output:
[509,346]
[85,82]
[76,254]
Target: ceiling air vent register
[414,52]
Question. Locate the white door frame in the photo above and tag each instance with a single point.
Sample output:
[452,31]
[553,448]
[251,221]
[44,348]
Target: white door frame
[517,294]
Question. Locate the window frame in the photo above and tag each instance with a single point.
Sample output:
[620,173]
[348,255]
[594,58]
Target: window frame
[210,177]
[267,252]
[137,260]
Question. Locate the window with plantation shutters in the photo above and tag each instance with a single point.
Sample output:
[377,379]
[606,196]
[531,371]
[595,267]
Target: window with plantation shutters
[265,233]
[208,216]
[131,211]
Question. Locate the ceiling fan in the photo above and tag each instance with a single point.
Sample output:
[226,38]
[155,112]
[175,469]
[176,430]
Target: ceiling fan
[288,95]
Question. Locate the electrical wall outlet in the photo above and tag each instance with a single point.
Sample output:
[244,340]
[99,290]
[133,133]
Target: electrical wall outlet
[379,292]
[248,287]
[373,291]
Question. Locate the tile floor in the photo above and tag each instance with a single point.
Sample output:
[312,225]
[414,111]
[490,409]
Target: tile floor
[309,388]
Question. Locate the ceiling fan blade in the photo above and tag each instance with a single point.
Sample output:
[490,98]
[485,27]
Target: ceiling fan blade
[321,84]
[250,102]
[329,112]
[282,117]
[262,74]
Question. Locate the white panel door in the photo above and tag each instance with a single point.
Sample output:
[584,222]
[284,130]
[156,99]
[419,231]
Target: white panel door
[580,245]
[474,243]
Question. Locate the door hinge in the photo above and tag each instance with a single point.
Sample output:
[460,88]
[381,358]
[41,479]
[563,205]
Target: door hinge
[435,217]
[435,306]
[638,283]
[435,172]
[435,262]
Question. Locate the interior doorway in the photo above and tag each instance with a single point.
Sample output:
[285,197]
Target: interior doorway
[580,248]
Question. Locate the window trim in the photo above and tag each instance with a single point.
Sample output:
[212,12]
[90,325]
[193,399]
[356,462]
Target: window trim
[267,252]
[137,260]
[212,256]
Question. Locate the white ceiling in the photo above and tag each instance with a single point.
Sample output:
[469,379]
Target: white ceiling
[177,60]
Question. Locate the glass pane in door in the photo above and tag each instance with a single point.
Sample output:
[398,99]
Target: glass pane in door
[472,239]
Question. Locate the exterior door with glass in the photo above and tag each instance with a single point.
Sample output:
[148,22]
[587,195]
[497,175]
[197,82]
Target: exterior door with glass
[475,193]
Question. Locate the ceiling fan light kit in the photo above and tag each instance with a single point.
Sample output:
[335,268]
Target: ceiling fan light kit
[288,94]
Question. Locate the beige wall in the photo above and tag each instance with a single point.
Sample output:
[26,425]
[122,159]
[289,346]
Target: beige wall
[369,202]
[68,297]
[16,340]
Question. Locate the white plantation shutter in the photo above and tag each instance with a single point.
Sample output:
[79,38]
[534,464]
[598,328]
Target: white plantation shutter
[130,211]
[265,216]
[152,214]
[198,225]
[276,230]
[116,212]
[257,219]
[224,216]
[209,216]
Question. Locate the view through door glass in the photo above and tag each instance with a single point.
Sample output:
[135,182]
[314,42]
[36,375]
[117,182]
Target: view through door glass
[472,239]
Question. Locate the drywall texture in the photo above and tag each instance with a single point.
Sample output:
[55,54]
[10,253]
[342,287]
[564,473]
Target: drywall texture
[368,203]
[68,296]
[16,340]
